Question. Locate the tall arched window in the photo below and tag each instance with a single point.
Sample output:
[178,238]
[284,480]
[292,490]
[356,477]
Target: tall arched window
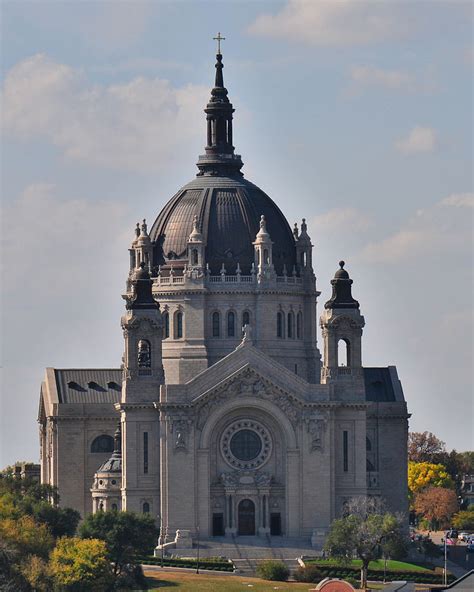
[299,325]
[266,258]
[216,324]
[144,354]
[146,508]
[166,325]
[194,257]
[103,443]
[246,318]
[280,325]
[291,325]
[230,324]
[178,325]
[343,352]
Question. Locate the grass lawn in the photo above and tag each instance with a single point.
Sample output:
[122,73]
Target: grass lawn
[379,564]
[190,582]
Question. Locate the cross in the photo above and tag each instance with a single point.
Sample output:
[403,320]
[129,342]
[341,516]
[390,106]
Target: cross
[219,39]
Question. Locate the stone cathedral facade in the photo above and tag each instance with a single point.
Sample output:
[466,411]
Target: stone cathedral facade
[224,416]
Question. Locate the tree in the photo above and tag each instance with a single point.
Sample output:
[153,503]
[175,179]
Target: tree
[81,565]
[24,536]
[37,573]
[365,531]
[436,504]
[126,534]
[425,474]
[424,446]
[464,520]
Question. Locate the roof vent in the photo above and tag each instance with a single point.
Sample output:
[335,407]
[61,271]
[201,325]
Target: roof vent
[77,387]
[93,385]
[114,386]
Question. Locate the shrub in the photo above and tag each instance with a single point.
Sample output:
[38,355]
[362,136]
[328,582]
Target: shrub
[353,582]
[273,570]
[309,573]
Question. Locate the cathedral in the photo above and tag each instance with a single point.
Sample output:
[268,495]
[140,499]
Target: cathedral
[223,417]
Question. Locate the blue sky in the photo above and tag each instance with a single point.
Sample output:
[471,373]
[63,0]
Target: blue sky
[356,115]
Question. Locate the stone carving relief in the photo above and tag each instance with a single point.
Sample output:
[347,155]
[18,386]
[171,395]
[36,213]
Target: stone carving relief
[316,427]
[245,479]
[180,430]
[249,384]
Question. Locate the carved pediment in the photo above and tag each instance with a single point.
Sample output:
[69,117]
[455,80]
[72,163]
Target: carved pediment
[249,383]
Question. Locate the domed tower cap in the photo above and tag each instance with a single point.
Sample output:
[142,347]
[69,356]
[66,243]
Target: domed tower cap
[142,290]
[341,290]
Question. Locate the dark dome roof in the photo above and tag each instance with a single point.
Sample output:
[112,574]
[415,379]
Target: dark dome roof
[228,210]
[227,206]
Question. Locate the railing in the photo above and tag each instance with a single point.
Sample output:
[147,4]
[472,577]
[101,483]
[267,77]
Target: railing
[221,279]
[344,371]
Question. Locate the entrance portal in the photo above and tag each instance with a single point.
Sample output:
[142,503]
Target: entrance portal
[246,513]
[275,524]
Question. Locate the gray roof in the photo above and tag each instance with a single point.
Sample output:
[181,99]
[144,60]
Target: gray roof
[379,385]
[89,385]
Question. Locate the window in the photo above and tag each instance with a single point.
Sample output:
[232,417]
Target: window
[178,325]
[103,444]
[343,352]
[369,466]
[146,508]
[145,452]
[194,257]
[230,324]
[144,354]
[266,258]
[280,325]
[216,324]
[345,450]
[299,325]
[246,318]
[166,325]
[291,325]
[368,445]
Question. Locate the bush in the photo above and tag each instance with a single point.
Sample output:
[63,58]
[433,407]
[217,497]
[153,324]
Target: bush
[353,582]
[309,573]
[273,570]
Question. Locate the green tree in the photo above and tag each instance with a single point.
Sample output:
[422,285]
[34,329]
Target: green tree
[464,520]
[126,534]
[366,531]
[81,565]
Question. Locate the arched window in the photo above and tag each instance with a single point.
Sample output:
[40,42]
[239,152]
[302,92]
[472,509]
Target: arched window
[216,324]
[291,325]
[246,318]
[368,445]
[299,325]
[103,443]
[343,352]
[166,325]
[280,325]
[144,354]
[146,508]
[178,325]
[194,257]
[266,258]
[230,324]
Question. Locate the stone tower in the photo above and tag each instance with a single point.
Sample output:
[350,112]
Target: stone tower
[142,377]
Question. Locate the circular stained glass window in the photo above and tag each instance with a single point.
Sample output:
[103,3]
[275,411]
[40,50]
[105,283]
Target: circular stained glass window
[246,445]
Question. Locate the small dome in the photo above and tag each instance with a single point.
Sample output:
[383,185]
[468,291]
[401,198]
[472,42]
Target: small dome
[341,274]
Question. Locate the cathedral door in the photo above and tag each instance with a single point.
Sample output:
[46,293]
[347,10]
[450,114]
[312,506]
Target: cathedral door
[246,517]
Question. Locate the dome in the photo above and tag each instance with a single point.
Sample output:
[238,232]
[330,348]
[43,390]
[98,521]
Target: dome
[227,206]
[228,210]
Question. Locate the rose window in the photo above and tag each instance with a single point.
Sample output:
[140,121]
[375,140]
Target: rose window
[246,444]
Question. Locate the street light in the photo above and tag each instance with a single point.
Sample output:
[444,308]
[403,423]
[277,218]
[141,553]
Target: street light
[161,539]
[197,540]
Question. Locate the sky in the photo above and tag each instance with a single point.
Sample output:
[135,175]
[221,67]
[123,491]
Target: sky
[355,115]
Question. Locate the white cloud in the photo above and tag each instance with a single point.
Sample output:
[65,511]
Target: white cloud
[419,139]
[437,231]
[330,22]
[140,125]
[392,79]
[459,200]
[342,219]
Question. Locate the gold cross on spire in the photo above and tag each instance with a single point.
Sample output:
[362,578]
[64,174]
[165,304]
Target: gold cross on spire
[219,39]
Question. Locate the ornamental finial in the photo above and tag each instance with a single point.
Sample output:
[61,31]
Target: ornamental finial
[219,39]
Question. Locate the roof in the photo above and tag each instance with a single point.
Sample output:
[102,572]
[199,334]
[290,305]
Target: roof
[228,210]
[463,584]
[88,385]
[382,385]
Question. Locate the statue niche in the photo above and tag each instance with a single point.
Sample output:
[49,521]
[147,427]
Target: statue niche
[144,354]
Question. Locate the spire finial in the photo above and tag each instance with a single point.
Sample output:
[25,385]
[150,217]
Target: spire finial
[341,264]
[219,39]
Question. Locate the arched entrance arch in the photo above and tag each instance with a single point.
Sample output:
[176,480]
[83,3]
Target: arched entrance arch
[246,518]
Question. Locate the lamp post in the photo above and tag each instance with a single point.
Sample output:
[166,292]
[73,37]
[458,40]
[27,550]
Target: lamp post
[197,540]
[161,539]
[445,572]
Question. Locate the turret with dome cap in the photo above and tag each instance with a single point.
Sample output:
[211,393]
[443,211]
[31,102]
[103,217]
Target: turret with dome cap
[341,290]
